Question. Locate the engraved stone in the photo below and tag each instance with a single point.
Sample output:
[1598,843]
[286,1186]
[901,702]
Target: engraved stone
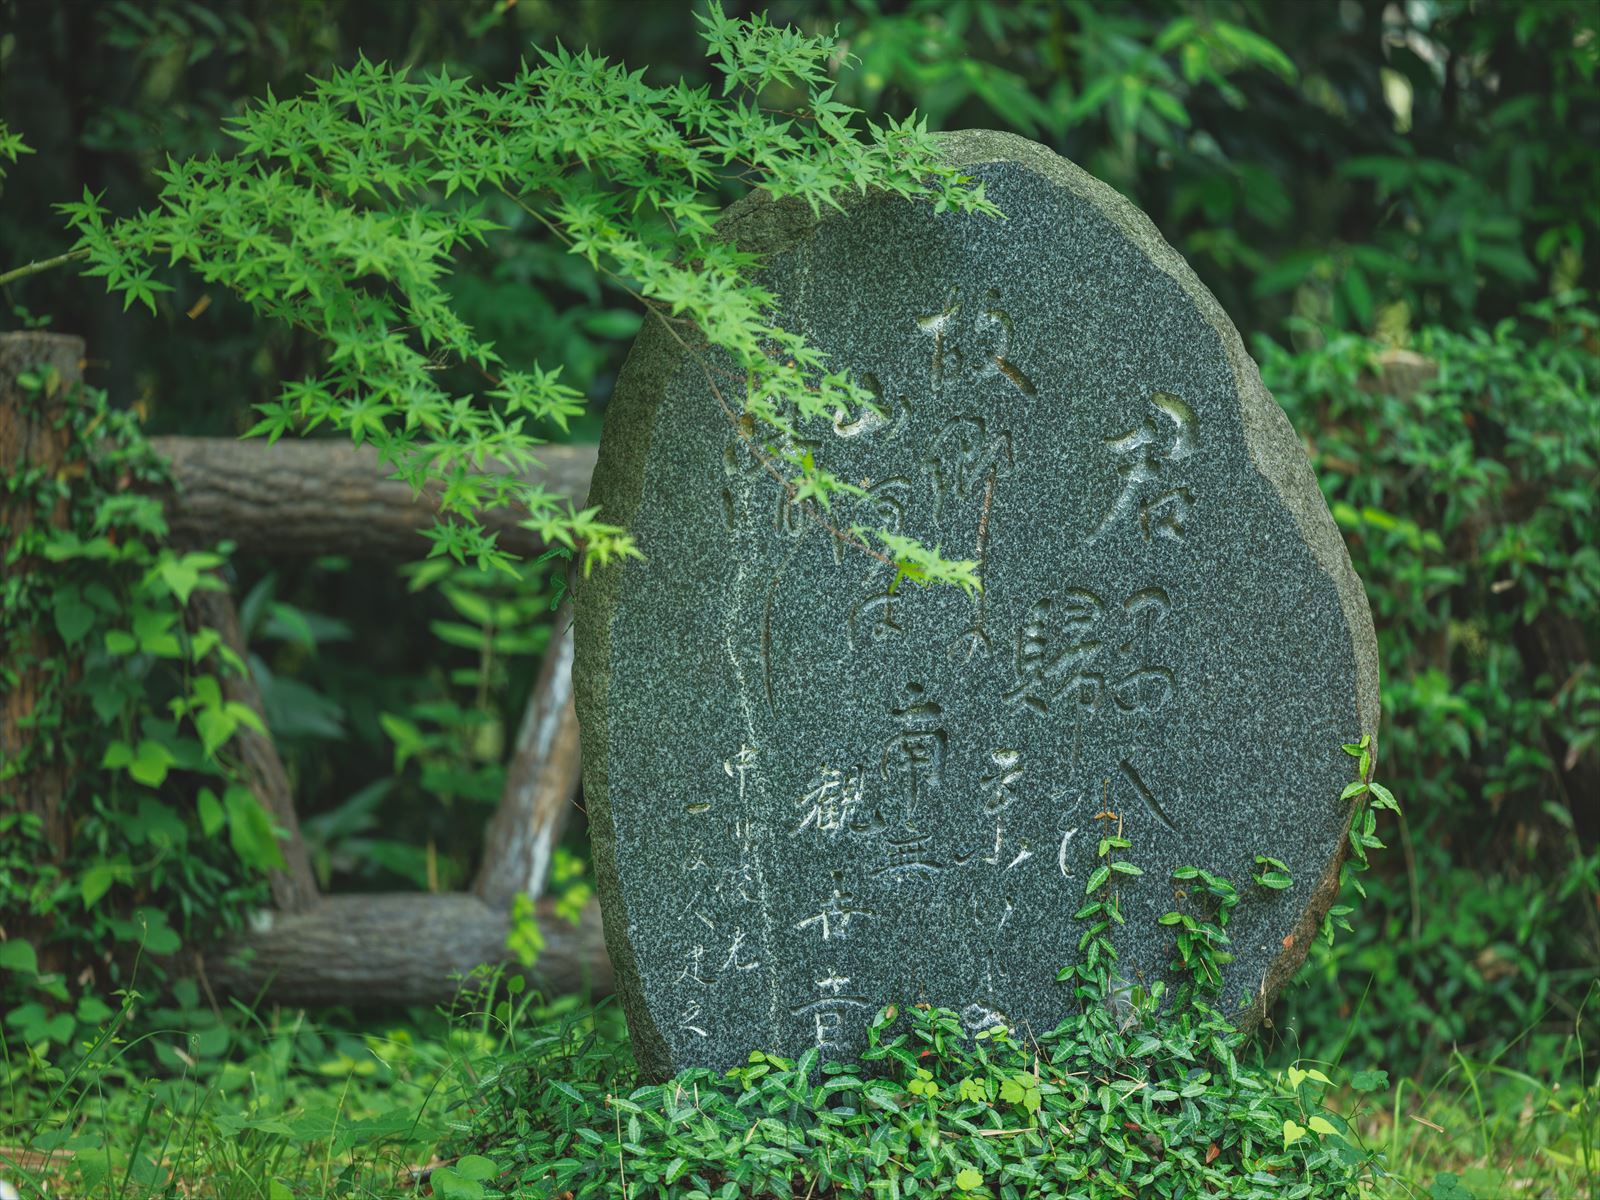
[811,793]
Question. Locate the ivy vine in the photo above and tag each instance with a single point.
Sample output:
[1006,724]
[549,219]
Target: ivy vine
[164,841]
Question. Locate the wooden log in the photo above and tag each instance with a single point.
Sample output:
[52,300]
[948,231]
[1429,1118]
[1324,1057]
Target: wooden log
[294,888]
[1401,373]
[328,497]
[33,444]
[399,949]
[540,783]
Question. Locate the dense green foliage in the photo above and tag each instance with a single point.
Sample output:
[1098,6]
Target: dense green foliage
[1134,1094]
[129,701]
[1470,498]
[1356,182]
[1371,165]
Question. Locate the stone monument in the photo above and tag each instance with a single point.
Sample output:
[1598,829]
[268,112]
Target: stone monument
[812,793]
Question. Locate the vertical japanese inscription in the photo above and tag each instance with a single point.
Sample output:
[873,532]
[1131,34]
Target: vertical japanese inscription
[1104,667]
[1077,654]
[721,896]
[1073,651]
[1152,617]
[962,465]
[975,344]
[833,918]
[836,1000]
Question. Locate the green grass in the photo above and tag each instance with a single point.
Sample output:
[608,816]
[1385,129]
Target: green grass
[292,1108]
[511,1095]
[271,1105]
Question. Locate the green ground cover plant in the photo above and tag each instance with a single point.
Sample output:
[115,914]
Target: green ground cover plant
[1136,1094]
[175,1096]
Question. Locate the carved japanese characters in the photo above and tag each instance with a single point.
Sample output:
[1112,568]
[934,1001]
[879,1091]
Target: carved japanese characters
[813,791]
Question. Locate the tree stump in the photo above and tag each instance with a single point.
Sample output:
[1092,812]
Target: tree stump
[33,444]
[34,772]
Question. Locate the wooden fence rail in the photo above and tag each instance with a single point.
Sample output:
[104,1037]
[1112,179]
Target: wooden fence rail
[313,498]
[326,497]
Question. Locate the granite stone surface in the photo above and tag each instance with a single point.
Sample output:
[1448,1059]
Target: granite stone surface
[810,795]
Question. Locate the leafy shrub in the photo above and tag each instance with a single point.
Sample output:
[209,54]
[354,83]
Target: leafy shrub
[1486,958]
[1465,475]
[164,843]
[1134,1094]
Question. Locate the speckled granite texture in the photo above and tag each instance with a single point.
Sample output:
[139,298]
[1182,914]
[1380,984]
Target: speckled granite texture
[810,797]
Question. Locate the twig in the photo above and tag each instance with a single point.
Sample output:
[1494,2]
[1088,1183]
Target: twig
[43,264]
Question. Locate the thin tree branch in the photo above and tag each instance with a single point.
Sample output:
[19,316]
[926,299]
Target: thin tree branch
[43,264]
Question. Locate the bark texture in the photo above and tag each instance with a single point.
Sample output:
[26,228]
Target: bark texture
[540,783]
[409,948]
[33,443]
[327,497]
